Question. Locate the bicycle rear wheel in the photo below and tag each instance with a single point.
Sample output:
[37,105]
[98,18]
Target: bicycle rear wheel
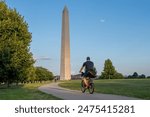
[91,88]
[83,86]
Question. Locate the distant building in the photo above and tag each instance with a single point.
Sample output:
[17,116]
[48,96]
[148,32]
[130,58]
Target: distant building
[76,77]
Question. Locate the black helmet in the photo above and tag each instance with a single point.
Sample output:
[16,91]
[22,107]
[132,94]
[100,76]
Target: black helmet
[87,58]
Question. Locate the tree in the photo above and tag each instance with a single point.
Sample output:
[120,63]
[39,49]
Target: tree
[42,74]
[130,76]
[118,76]
[15,56]
[135,75]
[142,76]
[109,71]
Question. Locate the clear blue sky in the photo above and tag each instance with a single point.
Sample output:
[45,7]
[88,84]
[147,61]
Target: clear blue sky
[101,29]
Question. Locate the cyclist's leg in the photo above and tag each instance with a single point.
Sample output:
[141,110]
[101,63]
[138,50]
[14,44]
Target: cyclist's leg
[88,81]
[85,79]
[85,82]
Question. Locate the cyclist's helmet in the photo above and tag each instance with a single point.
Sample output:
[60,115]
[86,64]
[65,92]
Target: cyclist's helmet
[88,58]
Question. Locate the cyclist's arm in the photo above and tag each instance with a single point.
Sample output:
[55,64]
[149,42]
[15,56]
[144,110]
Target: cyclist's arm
[84,64]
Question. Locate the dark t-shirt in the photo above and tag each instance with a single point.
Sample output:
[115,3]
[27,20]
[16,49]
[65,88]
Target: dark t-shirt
[88,65]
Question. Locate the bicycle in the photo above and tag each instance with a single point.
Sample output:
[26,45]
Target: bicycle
[90,87]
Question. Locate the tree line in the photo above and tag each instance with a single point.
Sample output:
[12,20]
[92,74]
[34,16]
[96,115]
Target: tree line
[109,72]
[136,75]
[16,60]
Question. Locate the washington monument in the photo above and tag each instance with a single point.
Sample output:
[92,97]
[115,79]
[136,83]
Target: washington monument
[65,47]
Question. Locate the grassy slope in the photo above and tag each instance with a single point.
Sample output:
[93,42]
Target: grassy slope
[24,92]
[134,87]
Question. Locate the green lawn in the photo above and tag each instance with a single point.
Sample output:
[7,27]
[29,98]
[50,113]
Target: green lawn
[24,92]
[139,88]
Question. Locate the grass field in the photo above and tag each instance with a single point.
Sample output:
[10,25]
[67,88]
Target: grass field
[139,88]
[24,92]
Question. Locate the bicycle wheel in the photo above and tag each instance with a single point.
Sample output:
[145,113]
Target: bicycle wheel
[83,86]
[91,88]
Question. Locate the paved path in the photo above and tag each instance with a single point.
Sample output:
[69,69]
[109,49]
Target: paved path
[68,94]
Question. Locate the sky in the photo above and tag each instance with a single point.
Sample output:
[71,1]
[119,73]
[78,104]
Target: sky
[102,29]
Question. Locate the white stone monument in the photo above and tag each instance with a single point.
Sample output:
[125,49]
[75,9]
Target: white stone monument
[65,47]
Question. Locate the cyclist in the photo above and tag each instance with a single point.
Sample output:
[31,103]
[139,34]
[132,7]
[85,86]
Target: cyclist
[87,66]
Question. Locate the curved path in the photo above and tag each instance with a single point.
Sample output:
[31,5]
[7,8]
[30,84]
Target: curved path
[68,94]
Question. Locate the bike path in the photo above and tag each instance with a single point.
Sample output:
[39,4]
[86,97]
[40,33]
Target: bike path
[68,94]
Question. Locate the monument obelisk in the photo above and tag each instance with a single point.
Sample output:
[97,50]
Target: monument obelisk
[65,47]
